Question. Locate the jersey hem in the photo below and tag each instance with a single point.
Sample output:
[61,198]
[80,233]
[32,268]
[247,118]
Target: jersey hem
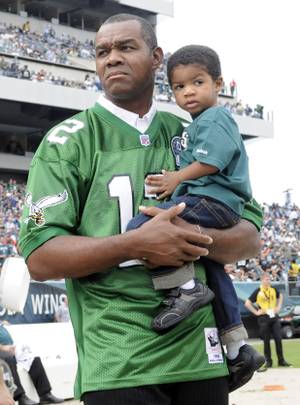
[136,382]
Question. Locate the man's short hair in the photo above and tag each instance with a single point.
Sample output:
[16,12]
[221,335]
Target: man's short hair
[200,55]
[147,30]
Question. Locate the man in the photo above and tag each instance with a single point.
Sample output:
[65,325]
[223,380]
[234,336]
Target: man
[62,314]
[269,301]
[85,184]
[35,370]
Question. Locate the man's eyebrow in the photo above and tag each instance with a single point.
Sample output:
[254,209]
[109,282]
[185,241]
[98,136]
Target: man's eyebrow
[116,43]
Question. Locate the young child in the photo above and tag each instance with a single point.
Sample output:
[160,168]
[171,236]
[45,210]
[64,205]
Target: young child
[213,182]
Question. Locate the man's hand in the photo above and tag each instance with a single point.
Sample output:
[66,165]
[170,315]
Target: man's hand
[165,243]
[163,185]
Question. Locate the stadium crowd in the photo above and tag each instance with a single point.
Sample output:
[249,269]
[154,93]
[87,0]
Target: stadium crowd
[280,236]
[47,46]
[16,70]
[280,246]
[11,203]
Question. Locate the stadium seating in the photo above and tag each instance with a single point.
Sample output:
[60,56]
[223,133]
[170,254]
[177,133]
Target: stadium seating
[63,47]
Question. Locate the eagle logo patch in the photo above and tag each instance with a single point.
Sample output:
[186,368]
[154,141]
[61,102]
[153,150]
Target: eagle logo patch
[36,209]
[176,146]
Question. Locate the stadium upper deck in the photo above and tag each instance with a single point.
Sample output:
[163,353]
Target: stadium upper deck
[28,109]
[86,14]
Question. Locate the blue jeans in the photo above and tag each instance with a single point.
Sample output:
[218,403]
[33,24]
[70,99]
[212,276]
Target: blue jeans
[209,213]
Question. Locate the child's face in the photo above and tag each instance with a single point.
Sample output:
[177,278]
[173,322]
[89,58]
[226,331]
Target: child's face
[194,89]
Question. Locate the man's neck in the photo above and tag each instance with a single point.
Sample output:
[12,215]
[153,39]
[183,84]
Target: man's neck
[140,106]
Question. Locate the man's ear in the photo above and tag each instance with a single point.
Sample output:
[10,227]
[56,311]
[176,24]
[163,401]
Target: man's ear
[157,55]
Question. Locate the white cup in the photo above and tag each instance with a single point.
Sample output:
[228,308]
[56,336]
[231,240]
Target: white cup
[14,284]
[147,188]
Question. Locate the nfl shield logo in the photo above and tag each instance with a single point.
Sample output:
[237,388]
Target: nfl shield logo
[145,140]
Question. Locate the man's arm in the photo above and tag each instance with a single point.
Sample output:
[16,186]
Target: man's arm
[159,241]
[249,305]
[242,241]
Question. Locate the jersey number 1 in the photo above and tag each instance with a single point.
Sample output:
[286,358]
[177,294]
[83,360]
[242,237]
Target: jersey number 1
[120,187]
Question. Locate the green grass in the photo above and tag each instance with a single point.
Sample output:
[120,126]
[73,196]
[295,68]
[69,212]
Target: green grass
[291,351]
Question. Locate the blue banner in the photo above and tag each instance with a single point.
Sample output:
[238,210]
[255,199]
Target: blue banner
[42,302]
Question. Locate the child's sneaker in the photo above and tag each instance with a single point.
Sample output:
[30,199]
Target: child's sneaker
[180,304]
[243,366]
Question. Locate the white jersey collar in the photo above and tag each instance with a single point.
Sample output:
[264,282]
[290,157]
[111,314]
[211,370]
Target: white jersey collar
[131,118]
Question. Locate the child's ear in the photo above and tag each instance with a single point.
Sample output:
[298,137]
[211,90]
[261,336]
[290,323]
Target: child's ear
[219,83]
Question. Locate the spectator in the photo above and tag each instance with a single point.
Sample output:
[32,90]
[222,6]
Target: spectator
[26,27]
[35,369]
[3,66]
[293,271]
[62,314]
[239,108]
[269,302]
[88,83]
[13,70]
[14,147]
[258,111]
[233,88]
[41,75]
[25,73]
[248,110]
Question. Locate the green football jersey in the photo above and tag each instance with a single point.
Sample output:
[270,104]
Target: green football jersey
[87,178]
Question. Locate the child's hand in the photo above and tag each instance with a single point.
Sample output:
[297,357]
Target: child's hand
[163,185]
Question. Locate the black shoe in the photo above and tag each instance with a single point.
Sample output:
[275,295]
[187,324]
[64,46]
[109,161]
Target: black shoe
[242,368]
[24,400]
[180,304]
[50,399]
[284,363]
[268,364]
[262,369]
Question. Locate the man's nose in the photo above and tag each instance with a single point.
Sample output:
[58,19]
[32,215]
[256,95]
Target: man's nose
[114,58]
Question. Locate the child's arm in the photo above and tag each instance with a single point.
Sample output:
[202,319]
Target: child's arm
[165,185]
